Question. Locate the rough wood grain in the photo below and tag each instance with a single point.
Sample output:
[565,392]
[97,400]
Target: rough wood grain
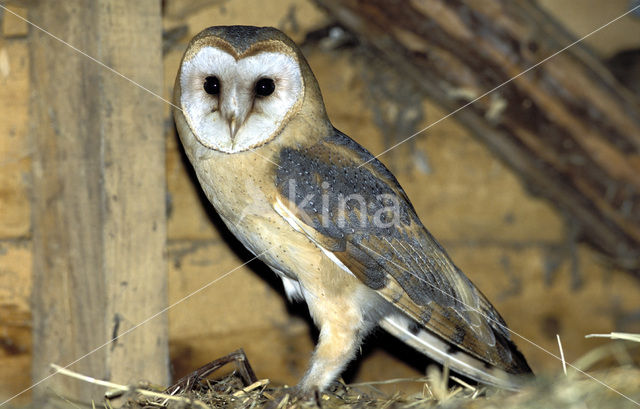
[567,128]
[99,226]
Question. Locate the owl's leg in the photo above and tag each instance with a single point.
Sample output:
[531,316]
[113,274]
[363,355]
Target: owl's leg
[336,347]
[342,328]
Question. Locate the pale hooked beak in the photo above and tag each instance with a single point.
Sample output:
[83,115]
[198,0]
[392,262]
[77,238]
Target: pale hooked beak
[233,112]
[233,127]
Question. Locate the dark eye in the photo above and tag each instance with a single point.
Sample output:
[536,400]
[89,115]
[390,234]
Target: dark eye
[211,85]
[265,87]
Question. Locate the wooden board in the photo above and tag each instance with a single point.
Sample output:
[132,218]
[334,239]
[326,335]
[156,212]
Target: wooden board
[99,227]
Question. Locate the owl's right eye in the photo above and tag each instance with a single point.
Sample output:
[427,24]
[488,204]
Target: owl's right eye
[211,85]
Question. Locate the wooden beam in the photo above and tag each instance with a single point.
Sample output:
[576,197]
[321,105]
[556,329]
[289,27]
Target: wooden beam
[98,194]
[569,130]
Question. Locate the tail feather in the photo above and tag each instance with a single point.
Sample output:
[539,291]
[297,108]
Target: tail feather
[458,360]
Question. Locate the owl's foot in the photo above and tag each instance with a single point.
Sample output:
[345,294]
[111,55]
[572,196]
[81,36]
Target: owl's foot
[337,388]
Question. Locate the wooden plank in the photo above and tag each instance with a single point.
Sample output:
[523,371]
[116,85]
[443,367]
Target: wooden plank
[569,130]
[15,318]
[99,225]
[15,162]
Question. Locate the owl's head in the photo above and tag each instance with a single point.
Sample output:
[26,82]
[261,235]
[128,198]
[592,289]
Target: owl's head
[238,86]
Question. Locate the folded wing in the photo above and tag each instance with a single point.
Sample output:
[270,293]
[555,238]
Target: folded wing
[353,208]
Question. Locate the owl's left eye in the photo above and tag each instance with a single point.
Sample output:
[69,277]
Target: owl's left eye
[211,85]
[265,87]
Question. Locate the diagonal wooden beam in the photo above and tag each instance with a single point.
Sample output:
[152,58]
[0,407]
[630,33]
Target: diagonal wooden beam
[569,130]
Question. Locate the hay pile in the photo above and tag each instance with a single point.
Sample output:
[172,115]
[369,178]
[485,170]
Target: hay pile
[615,385]
[560,392]
[606,388]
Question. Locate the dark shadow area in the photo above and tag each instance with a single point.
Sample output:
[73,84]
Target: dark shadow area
[381,339]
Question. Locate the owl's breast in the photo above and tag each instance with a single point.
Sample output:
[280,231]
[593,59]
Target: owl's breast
[236,184]
[242,190]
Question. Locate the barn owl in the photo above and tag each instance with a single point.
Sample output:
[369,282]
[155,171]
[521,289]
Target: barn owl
[326,216]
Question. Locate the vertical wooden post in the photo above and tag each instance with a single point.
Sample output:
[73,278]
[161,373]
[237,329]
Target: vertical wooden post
[99,194]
